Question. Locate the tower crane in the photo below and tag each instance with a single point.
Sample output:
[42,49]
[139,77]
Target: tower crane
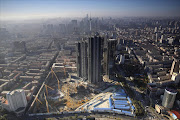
[57,80]
[37,100]
[46,86]
[64,72]
[56,77]
[46,103]
[64,68]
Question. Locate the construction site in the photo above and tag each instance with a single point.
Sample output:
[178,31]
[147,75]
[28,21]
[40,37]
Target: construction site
[63,90]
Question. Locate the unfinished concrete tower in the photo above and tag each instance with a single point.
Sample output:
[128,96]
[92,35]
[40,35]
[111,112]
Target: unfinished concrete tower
[95,45]
[82,61]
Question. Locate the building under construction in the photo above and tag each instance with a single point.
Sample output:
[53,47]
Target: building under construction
[62,89]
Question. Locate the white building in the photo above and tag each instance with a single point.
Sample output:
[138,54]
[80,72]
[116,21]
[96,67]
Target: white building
[169,98]
[176,77]
[121,59]
[16,101]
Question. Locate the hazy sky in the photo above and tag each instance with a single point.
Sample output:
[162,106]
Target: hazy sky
[25,9]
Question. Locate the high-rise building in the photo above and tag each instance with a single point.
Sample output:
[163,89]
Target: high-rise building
[111,47]
[78,59]
[155,30]
[16,101]
[74,25]
[95,49]
[82,61]
[62,28]
[89,56]
[157,37]
[169,98]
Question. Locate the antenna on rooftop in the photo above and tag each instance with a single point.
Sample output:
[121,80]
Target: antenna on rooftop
[90,25]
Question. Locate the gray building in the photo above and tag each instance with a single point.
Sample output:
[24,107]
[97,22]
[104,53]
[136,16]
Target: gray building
[82,61]
[78,59]
[169,98]
[95,49]
[111,47]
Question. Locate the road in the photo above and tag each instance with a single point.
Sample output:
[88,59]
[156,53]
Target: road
[85,114]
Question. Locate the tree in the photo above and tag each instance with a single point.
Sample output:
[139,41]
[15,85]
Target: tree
[4,117]
[90,118]
[76,116]
[20,81]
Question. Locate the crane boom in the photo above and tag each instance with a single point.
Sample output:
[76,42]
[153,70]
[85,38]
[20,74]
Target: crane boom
[49,87]
[56,78]
[46,103]
[37,100]
[46,86]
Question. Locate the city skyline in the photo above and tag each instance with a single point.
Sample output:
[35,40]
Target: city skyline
[90,67]
[21,9]
[89,59]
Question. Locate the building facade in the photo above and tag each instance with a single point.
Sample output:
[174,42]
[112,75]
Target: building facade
[16,101]
[169,98]
[82,61]
[95,50]
[111,48]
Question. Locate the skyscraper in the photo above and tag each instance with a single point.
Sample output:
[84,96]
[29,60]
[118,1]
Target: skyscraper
[111,47]
[78,59]
[95,45]
[16,101]
[169,98]
[89,56]
[82,61]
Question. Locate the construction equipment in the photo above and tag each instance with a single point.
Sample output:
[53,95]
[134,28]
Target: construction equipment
[64,72]
[56,77]
[37,99]
[64,68]
[52,74]
[57,80]
[46,86]
[70,101]
[46,103]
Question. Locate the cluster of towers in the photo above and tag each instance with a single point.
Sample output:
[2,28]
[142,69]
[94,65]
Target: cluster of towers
[89,59]
[90,56]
